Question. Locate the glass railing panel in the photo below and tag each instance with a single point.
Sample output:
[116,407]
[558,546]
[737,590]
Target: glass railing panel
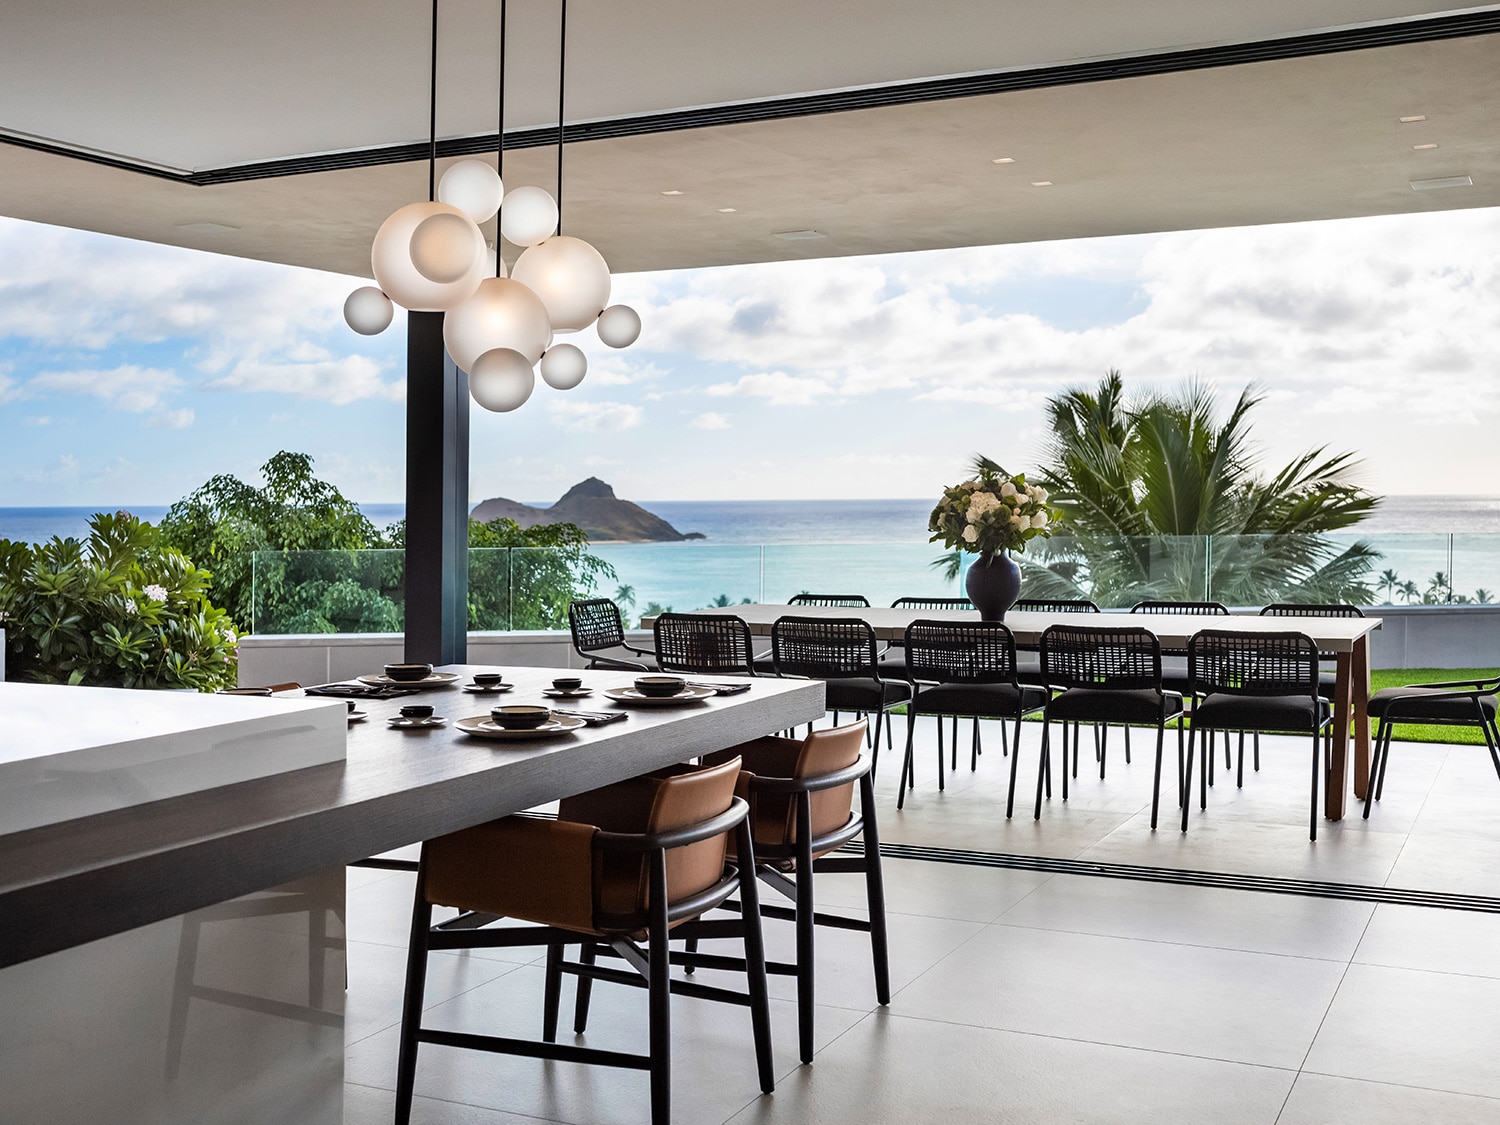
[490,606]
[1475,571]
[328,591]
[651,578]
[1249,571]
[1405,568]
[543,580]
[1116,571]
[882,572]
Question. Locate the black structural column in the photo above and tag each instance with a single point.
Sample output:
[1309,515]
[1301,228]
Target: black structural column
[437,497]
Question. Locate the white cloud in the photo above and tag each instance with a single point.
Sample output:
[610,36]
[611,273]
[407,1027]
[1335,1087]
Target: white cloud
[776,387]
[39,420]
[573,414]
[128,387]
[339,381]
[172,420]
[710,421]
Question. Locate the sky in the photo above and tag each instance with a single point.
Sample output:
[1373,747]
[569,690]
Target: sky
[130,372]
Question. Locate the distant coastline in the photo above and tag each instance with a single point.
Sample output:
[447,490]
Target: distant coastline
[766,522]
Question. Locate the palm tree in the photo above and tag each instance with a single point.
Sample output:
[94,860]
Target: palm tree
[625,595]
[1483,596]
[1389,580]
[1409,591]
[1128,472]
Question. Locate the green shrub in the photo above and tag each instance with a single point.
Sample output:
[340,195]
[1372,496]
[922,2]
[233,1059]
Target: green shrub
[122,610]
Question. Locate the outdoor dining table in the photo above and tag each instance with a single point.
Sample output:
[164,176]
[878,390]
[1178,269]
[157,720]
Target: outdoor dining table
[1346,637]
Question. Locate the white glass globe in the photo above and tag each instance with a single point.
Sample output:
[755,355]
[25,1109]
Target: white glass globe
[473,187]
[368,311]
[501,380]
[445,246]
[619,326]
[528,215]
[390,258]
[570,277]
[502,313]
[563,366]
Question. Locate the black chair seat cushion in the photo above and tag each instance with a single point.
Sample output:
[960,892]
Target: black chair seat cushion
[1174,674]
[1100,705]
[865,695]
[1028,667]
[1293,713]
[764,665]
[987,700]
[1415,703]
[893,664]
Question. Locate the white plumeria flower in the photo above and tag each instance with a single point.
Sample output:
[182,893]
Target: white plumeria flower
[156,593]
[130,606]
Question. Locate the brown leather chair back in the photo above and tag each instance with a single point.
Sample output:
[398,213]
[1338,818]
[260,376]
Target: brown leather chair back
[690,798]
[824,752]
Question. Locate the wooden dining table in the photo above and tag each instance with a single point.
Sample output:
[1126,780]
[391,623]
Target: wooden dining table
[1347,638]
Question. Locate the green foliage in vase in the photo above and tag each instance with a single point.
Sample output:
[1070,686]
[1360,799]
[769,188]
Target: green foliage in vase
[1125,472]
[123,609]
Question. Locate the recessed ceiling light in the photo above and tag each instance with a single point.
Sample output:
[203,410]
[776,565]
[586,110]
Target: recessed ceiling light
[728,210]
[1003,160]
[1411,120]
[1041,183]
[1442,182]
[672,193]
[1419,148]
[799,235]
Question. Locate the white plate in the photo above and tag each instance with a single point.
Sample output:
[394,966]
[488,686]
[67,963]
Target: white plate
[398,723]
[488,689]
[559,693]
[358,716]
[689,694]
[482,726]
[437,679]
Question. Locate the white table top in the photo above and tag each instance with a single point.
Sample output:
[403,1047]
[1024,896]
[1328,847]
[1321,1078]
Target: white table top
[1330,634]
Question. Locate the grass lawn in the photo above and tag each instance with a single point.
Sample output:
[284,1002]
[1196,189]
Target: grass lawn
[1396,677]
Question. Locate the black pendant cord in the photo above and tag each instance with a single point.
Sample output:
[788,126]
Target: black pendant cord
[500,142]
[432,113]
[562,85]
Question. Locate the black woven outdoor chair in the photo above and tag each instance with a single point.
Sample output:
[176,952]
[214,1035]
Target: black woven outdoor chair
[964,670]
[932,603]
[1174,667]
[716,644]
[599,637]
[893,662]
[842,653]
[834,601]
[1257,681]
[1103,676]
[1466,703]
[1056,605]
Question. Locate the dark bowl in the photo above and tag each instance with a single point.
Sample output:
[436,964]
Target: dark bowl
[488,679]
[567,683]
[417,711]
[408,673]
[520,716]
[659,687]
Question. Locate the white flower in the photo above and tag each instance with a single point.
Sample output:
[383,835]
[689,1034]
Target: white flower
[1040,494]
[980,503]
[971,534]
[156,593]
[1039,520]
[130,606]
[1019,522]
[1007,490]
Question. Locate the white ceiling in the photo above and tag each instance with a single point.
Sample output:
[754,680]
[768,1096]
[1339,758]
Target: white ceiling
[189,84]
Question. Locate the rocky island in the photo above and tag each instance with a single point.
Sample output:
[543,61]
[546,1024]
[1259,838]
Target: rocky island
[595,508]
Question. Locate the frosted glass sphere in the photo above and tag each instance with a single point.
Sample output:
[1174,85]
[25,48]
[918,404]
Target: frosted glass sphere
[368,311]
[564,366]
[390,258]
[501,314]
[570,277]
[445,246]
[619,326]
[501,379]
[528,215]
[473,187]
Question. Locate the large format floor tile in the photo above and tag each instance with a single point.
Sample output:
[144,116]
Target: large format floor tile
[1214,1003]
[1444,941]
[1412,1028]
[937,890]
[1318,1099]
[893,1070]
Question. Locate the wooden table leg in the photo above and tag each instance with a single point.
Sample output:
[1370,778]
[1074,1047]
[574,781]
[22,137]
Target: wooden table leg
[1335,780]
[1359,702]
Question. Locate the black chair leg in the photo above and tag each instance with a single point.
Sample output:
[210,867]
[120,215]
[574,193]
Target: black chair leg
[1015,762]
[1317,767]
[688,964]
[1004,739]
[659,984]
[411,1005]
[908,767]
[1103,751]
[755,956]
[1161,735]
[552,993]
[875,894]
[1257,751]
[1387,730]
[875,751]
[1075,759]
[1239,778]
[941,785]
[939,721]
[1206,769]
[1127,744]
[954,749]
[585,991]
[1492,740]
[804,923]
[974,749]
[1187,776]
[1228,762]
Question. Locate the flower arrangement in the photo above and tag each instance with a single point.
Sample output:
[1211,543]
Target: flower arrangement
[992,513]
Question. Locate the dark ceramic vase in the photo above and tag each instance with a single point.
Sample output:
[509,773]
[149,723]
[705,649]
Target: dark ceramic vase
[993,586]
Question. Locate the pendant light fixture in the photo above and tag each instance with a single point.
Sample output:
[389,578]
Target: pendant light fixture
[432,257]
